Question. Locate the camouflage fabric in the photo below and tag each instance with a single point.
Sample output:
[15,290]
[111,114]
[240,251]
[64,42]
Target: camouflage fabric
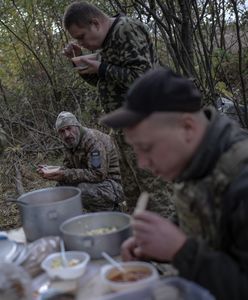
[94,167]
[196,214]
[135,180]
[127,53]
[198,202]
[106,195]
[128,166]
[3,139]
[66,118]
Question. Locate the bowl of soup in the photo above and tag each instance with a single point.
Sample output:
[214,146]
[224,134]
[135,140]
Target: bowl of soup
[136,274]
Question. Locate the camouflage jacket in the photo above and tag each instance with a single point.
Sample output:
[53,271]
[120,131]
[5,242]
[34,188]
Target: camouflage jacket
[94,160]
[126,53]
[211,201]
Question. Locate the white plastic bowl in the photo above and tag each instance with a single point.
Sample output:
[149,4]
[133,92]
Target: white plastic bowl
[69,272]
[109,271]
[79,65]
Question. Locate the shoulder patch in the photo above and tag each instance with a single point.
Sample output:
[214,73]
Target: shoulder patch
[95,159]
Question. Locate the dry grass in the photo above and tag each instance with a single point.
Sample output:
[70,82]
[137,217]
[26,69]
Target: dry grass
[30,180]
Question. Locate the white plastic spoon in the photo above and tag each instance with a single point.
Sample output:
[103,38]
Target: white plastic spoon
[141,202]
[113,262]
[62,252]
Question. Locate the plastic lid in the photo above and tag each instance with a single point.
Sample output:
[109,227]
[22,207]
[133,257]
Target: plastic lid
[7,250]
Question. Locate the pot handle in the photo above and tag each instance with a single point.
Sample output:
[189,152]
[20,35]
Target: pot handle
[52,215]
[87,242]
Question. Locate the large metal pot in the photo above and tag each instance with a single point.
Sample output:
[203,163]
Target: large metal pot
[74,232]
[42,211]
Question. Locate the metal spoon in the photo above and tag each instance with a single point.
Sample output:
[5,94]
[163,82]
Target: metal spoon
[113,262]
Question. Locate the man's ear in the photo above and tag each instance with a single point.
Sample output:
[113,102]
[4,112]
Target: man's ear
[96,23]
[189,126]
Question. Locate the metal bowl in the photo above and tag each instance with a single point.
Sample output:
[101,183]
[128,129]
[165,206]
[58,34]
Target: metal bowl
[77,233]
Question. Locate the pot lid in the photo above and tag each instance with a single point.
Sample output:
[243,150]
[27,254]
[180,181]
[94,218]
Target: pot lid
[7,250]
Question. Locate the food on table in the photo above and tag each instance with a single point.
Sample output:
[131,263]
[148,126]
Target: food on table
[100,231]
[57,263]
[129,275]
[15,283]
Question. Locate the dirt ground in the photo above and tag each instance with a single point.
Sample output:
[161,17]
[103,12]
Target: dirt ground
[160,192]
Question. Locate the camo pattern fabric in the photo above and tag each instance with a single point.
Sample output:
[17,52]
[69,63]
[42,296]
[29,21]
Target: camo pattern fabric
[102,196]
[127,53]
[3,140]
[198,202]
[136,180]
[94,166]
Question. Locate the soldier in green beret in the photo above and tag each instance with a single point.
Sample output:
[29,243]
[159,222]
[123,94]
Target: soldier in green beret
[91,163]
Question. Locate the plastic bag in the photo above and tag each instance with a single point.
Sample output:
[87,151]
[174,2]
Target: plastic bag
[174,288]
[35,252]
[15,283]
[177,288]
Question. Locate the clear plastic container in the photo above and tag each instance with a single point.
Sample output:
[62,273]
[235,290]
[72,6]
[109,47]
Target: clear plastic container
[15,283]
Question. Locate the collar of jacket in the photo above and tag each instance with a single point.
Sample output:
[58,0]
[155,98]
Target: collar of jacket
[221,133]
[117,18]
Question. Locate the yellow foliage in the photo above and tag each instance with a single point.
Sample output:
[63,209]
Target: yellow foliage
[223,90]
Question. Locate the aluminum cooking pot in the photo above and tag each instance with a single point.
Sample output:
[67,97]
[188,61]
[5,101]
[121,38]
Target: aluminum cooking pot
[76,233]
[45,209]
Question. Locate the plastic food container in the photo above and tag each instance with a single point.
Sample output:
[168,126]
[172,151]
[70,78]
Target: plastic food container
[137,275]
[50,169]
[79,65]
[77,263]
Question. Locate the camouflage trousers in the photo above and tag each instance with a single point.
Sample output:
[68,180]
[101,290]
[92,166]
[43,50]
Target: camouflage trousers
[135,180]
[128,167]
[101,196]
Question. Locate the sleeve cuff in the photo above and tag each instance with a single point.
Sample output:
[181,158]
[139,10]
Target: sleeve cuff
[102,70]
[184,260]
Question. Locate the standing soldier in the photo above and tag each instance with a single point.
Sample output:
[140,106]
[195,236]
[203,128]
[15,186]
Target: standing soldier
[91,163]
[126,52]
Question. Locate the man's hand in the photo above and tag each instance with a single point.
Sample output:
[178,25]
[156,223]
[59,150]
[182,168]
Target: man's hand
[127,249]
[72,50]
[92,63]
[50,174]
[154,237]
[56,176]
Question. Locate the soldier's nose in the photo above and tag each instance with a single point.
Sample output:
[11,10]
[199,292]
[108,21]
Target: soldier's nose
[67,133]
